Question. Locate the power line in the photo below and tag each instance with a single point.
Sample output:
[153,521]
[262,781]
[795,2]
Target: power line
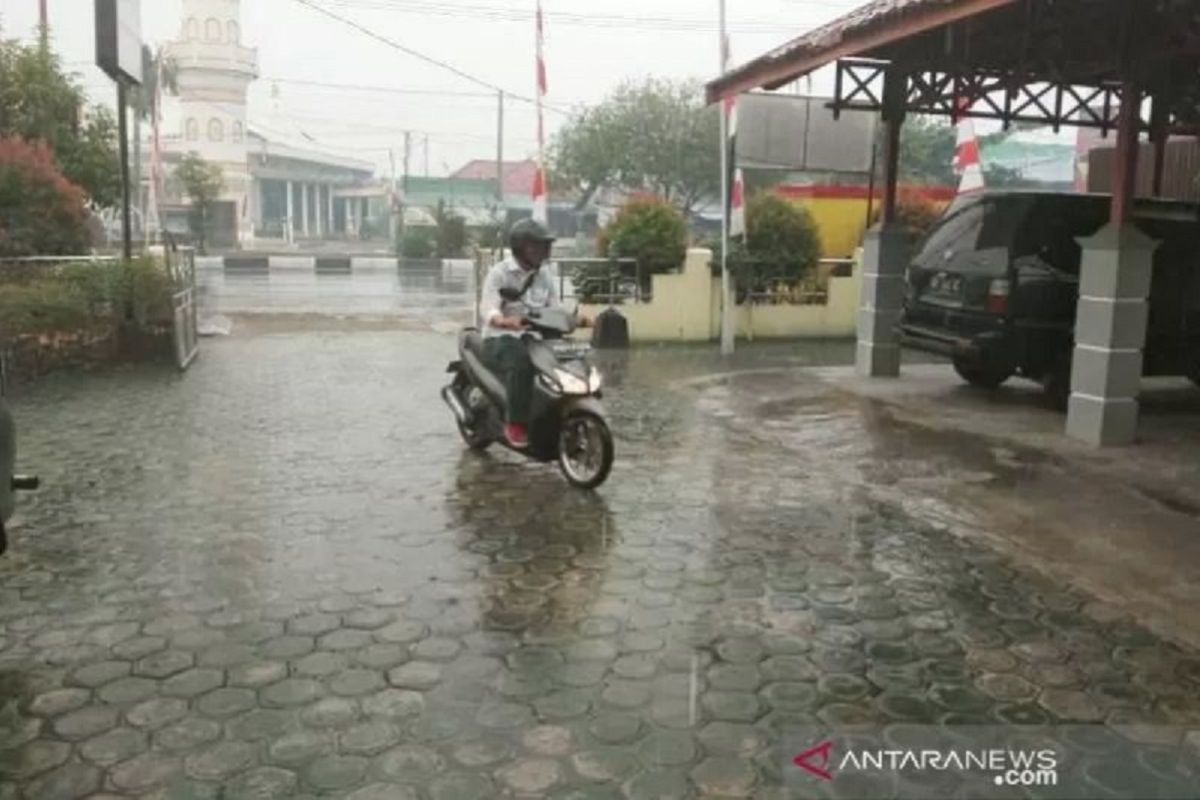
[415,53]
[510,14]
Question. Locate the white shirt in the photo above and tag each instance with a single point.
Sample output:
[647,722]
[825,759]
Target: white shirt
[508,274]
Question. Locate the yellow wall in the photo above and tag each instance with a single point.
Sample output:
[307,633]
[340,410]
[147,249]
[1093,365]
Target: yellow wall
[841,222]
[687,308]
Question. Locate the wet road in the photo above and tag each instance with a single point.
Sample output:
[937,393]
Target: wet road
[281,575]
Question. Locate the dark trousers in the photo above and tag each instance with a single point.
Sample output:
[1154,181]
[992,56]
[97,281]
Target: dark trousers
[509,358]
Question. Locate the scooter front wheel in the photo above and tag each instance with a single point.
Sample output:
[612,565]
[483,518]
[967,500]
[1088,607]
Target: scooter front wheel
[585,449]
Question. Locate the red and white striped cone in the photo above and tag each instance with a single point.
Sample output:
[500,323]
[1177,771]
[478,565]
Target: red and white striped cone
[967,160]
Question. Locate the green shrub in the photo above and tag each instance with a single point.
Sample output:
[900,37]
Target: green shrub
[649,230]
[781,242]
[75,297]
[418,243]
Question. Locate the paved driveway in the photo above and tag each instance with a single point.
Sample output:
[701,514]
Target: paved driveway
[281,575]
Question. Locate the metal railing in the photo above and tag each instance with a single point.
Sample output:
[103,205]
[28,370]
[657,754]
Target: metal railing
[775,289]
[606,281]
[181,267]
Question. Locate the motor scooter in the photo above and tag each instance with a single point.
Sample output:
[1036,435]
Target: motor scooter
[567,423]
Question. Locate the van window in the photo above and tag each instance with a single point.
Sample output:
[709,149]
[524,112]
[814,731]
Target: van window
[975,239]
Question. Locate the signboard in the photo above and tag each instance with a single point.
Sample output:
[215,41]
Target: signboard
[799,134]
[119,39]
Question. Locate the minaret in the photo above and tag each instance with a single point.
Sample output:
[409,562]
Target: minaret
[214,74]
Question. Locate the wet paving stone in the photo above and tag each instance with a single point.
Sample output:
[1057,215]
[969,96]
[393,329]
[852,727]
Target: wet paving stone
[415,675]
[357,626]
[262,783]
[299,748]
[156,712]
[218,761]
[335,772]
[66,782]
[58,701]
[461,786]
[114,746]
[193,682]
[186,734]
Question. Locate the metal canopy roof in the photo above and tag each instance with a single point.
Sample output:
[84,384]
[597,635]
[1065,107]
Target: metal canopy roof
[974,48]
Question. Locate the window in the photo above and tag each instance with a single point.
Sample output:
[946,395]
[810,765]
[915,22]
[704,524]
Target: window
[216,131]
[212,30]
[237,132]
[192,130]
[192,31]
[231,32]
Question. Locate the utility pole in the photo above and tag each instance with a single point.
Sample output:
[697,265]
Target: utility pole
[44,23]
[407,155]
[397,213]
[426,148]
[727,337]
[123,133]
[500,148]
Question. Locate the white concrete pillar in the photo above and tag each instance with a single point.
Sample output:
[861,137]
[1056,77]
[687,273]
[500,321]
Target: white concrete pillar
[260,202]
[304,209]
[319,214]
[289,231]
[1110,334]
[329,188]
[886,250]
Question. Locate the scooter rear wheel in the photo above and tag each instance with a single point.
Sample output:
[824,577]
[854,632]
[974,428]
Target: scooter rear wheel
[585,450]
[474,436]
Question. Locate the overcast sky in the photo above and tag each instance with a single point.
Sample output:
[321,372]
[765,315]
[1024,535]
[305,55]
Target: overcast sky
[590,48]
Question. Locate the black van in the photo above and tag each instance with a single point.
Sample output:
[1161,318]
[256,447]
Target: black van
[995,284]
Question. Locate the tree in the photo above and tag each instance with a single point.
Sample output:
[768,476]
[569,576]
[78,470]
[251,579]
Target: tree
[451,232]
[41,212]
[650,230]
[40,102]
[927,148]
[781,242]
[656,136]
[202,182]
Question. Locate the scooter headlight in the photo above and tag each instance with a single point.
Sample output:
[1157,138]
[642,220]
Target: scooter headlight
[570,382]
[594,381]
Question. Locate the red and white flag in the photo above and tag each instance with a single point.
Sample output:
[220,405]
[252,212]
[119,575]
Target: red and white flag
[968,164]
[541,211]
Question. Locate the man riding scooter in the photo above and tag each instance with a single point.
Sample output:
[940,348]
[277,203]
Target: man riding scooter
[504,348]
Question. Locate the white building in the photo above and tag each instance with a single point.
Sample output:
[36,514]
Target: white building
[273,190]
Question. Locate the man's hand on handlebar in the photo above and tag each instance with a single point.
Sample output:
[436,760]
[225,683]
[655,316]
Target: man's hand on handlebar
[509,323]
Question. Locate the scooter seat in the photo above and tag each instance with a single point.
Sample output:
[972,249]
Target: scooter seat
[470,349]
[471,342]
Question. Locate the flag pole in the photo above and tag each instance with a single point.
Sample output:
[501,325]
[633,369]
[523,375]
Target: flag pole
[541,203]
[727,343]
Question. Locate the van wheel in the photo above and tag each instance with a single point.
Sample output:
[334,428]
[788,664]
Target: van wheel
[985,375]
[1056,384]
